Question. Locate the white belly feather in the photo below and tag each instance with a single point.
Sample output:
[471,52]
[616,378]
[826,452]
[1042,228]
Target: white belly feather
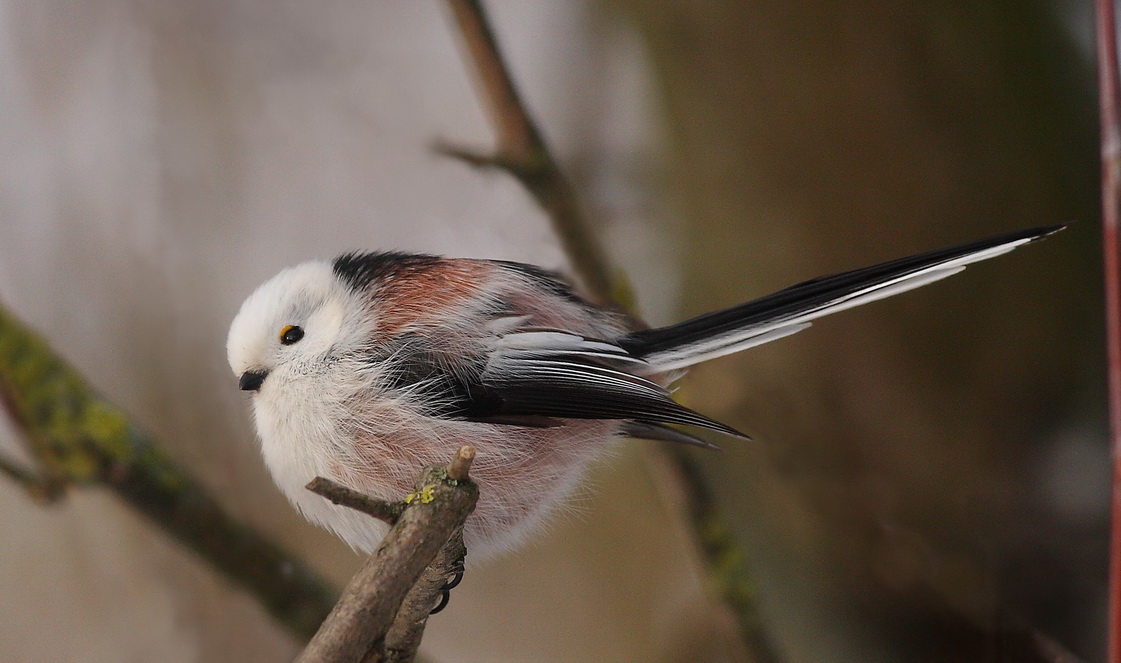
[380,450]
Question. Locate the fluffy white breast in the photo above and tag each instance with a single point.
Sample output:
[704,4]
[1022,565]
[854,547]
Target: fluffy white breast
[310,385]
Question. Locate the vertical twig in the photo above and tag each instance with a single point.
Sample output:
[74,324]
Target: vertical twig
[519,141]
[1108,98]
[728,574]
[522,152]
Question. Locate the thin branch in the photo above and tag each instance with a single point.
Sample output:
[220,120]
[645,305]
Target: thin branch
[523,153]
[473,158]
[369,623]
[461,464]
[17,473]
[728,574]
[77,437]
[387,512]
[39,488]
[1110,109]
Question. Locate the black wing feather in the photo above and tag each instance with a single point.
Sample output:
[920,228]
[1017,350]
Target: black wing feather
[576,387]
[535,387]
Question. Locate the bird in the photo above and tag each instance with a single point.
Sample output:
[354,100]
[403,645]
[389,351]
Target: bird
[369,367]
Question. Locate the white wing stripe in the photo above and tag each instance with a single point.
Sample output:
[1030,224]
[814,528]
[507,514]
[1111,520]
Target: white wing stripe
[497,369]
[683,357]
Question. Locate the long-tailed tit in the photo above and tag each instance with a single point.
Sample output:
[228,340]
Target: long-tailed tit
[367,368]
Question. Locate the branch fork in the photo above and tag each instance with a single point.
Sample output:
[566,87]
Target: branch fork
[383,610]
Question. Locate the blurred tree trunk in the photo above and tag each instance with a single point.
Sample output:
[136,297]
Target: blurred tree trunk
[890,503]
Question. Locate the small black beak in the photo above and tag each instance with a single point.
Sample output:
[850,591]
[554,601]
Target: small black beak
[251,380]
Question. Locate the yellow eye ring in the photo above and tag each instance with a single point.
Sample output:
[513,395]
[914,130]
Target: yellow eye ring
[290,334]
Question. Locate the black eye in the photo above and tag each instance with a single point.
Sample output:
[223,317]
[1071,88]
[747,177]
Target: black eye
[290,335]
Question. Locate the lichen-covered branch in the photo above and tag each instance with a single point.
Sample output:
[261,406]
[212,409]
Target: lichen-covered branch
[77,437]
[383,610]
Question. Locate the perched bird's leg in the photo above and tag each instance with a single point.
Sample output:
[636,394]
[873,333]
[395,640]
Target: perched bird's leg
[385,606]
[456,571]
[457,577]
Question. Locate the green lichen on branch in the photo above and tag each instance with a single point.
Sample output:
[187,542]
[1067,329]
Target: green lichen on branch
[77,437]
[70,431]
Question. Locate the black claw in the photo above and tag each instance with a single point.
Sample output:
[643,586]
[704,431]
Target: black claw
[445,591]
[454,582]
[445,596]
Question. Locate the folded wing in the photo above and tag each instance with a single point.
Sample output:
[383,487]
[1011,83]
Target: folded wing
[548,373]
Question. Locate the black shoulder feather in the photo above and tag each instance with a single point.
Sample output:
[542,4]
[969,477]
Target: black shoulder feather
[358,270]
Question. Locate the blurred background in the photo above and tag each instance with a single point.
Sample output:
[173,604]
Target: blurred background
[927,470]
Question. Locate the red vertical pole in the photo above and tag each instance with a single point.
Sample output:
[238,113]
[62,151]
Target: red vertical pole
[1111,201]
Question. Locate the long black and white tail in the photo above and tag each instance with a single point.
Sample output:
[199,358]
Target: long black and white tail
[791,310]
